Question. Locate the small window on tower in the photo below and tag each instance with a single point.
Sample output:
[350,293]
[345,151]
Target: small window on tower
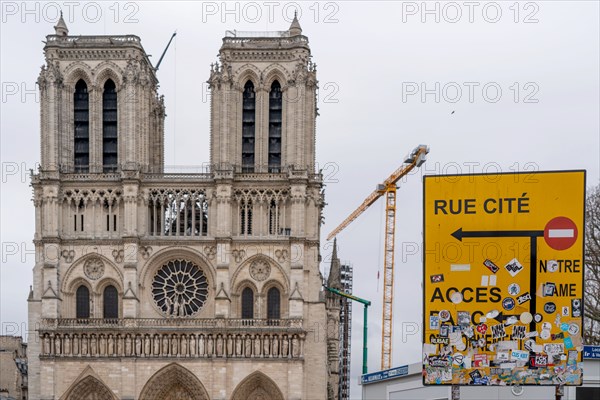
[247,303]
[273,304]
[246,217]
[82,299]
[111,302]
[273,217]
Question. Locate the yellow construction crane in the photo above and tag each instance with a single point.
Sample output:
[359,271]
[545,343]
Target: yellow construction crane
[388,187]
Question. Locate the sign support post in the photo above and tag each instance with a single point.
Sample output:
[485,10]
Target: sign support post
[559,392]
[455,392]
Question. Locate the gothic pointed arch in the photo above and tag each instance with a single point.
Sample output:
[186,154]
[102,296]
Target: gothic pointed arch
[89,387]
[247,72]
[108,70]
[276,72]
[78,71]
[174,382]
[77,270]
[257,386]
[243,273]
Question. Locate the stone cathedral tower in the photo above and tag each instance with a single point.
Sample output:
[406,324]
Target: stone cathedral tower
[150,285]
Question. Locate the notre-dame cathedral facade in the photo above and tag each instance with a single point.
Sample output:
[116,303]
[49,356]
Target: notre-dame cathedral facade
[153,285]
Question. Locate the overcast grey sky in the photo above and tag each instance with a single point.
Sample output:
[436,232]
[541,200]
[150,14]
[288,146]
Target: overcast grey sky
[521,78]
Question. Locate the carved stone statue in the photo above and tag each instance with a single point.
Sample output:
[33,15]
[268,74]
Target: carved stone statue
[295,347]
[75,345]
[138,345]
[119,340]
[46,345]
[67,345]
[174,346]
[248,346]
[210,346]
[285,346]
[102,345]
[128,345]
[266,346]
[156,345]
[275,352]
[193,345]
[147,345]
[111,345]
[229,345]
[201,344]
[57,343]
[219,345]
[184,346]
[257,347]
[84,345]
[165,346]
[238,345]
[93,346]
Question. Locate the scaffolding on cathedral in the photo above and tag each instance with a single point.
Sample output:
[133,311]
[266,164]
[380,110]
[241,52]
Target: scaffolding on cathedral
[345,332]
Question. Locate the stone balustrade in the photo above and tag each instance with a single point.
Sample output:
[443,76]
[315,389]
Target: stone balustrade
[92,41]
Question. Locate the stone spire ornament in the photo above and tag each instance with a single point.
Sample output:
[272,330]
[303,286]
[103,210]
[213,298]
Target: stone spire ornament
[335,277]
[295,28]
[60,29]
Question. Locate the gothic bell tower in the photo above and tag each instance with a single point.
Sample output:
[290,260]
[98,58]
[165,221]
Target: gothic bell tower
[263,104]
[100,111]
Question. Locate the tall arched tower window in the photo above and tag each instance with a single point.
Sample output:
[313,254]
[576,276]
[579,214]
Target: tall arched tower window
[111,302]
[247,303]
[273,304]
[275,108]
[82,302]
[81,119]
[109,127]
[248,127]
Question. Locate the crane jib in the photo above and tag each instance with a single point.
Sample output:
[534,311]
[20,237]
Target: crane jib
[415,159]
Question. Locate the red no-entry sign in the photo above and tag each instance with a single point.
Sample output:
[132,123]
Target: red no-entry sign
[560,233]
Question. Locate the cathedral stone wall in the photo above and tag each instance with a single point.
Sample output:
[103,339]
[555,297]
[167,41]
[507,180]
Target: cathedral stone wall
[150,284]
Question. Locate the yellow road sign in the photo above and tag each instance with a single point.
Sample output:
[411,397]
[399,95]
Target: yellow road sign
[503,278]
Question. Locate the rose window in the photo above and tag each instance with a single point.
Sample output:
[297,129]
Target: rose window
[180,288]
